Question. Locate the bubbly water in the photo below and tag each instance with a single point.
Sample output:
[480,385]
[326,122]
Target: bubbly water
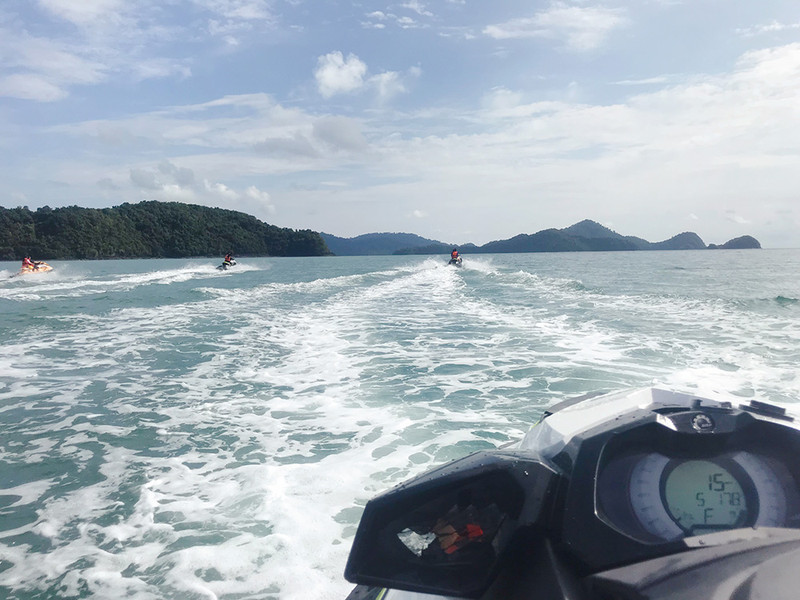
[169,430]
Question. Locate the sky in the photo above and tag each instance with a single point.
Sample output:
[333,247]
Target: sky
[458,120]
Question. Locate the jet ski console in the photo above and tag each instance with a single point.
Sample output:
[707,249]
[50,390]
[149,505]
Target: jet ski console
[643,494]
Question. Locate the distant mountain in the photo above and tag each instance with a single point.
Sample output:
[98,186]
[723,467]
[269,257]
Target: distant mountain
[588,236]
[175,230]
[745,242]
[375,243]
[438,248]
[683,241]
[585,236]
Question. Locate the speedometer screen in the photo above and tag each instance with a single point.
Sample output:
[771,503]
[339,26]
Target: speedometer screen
[673,497]
[702,494]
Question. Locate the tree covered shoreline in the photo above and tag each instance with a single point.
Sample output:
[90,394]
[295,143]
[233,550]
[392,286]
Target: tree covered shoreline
[149,229]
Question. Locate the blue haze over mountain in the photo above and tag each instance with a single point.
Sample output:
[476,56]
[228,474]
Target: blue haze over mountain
[585,236]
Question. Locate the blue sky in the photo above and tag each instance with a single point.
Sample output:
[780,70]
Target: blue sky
[459,120]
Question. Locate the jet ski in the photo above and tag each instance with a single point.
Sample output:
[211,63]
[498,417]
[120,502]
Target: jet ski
[456,262]
[226,264]
[38,267]
[645,494]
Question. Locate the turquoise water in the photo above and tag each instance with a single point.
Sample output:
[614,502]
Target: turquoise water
[174,431]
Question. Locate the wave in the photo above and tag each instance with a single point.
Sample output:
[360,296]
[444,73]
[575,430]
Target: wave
[784,301]
[77,280]
[228,427]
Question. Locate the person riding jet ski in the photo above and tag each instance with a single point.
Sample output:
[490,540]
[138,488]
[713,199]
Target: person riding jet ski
[227,262]
[29,264]
[455,259]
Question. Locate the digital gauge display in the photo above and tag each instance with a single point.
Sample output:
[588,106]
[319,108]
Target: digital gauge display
[703,494]
[672,498]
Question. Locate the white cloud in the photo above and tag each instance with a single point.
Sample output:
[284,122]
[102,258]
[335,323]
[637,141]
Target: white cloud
[418,8]
[220,191]
[159,69]
[337,75]
[261,198]
[86,12]
[145,179]
[737,218]
[180,175]
[169,182]
[117,38]
[31,87]
[43,69]
[407,23]
[246,10]
[294,145]
[502,99]
[233,20]
[581,28]
[165,176]
[340,133]
[773,27]
[175,193]
[52,60]
[379,19]
[657,80]
[388,84]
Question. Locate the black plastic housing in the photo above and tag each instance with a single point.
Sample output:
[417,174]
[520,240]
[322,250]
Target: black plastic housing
[502,493]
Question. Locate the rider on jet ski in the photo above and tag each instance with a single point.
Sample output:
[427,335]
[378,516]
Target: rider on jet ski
[27,263]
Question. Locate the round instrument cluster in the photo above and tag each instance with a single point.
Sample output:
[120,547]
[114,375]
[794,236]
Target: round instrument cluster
[669,498]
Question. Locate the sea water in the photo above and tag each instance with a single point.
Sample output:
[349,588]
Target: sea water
[169,430]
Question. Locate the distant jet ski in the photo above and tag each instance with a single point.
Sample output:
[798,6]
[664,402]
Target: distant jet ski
[644,494]
[455,258]
[38,267]
[226,264]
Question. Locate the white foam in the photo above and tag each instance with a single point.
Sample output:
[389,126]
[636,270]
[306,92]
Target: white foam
[229,442]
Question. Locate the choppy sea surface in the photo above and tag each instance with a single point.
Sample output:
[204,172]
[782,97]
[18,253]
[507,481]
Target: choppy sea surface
[168,430]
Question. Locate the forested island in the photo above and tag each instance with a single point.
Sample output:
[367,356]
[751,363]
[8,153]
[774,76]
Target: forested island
[146,230]
[585,236]
[155,229]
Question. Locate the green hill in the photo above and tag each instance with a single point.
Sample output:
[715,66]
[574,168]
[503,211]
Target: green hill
[146,230]
[584,236]
[588,236]
[745,242]
[374,243]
